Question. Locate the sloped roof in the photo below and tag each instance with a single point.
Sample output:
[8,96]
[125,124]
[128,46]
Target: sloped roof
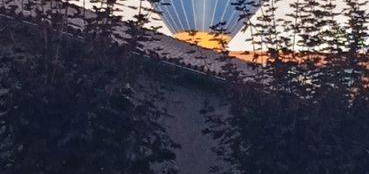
[168,49]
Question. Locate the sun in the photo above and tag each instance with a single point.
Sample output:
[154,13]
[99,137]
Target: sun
[204,39]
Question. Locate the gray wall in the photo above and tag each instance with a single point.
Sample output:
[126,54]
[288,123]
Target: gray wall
[184,101]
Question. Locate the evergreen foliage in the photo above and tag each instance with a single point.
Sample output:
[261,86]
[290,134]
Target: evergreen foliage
[309,114]
[65,109]
[69,104]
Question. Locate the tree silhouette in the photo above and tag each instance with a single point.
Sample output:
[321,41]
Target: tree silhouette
[309,115]
[71,105]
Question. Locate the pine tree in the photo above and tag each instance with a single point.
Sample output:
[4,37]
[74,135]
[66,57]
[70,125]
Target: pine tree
[304,111]
[357,34]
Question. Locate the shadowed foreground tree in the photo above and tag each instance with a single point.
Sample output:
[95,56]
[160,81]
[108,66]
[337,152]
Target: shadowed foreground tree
[77,112]
[306,118]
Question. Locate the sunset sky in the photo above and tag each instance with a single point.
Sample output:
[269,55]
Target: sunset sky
[238,42]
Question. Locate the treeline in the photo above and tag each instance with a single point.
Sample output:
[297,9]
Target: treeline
[308,109]
[66,109]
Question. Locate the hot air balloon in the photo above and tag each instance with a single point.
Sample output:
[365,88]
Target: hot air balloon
[183,16]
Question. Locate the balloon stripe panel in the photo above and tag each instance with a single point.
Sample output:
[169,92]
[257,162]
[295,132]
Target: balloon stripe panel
[200,15]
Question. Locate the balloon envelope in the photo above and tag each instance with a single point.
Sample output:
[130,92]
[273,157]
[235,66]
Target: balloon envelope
[199,15]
